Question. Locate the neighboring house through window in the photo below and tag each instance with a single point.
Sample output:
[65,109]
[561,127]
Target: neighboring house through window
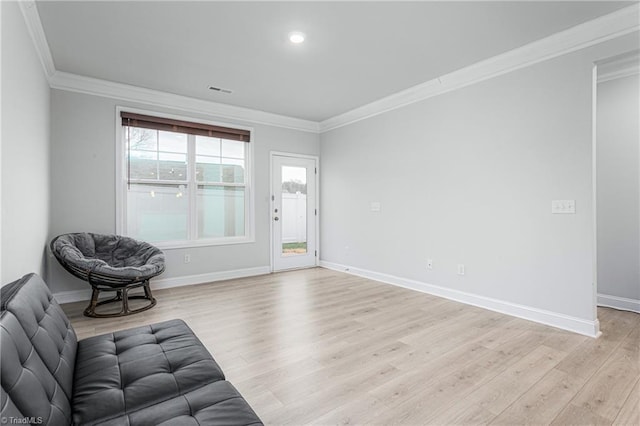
[184,183]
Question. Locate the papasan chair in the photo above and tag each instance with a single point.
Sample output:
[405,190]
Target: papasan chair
[110,263]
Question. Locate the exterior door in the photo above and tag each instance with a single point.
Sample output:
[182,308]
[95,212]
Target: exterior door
[293,212]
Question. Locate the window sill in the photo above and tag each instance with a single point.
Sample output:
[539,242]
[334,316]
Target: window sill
[170,245]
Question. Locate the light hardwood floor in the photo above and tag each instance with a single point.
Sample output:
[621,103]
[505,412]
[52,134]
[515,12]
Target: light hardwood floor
[321,347]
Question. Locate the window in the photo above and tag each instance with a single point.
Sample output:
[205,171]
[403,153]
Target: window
[185,183]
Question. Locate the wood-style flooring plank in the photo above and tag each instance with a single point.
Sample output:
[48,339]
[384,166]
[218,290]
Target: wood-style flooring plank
[629,415]
[319,347]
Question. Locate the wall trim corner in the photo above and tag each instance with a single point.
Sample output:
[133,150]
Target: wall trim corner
[622,303]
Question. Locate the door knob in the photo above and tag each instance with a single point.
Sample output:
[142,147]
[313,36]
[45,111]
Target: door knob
[276,218]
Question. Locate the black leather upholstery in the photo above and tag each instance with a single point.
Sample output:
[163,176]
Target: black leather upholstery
[125,371]
[38,352]
[217,403]
[150,375]
[47,327]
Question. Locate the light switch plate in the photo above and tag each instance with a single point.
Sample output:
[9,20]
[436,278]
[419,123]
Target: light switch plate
[563,206]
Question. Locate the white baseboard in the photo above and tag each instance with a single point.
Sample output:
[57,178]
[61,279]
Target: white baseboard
[73,295]
[621,303]
[554,319]
[157,284]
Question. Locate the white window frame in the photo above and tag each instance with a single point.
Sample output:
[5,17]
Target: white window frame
[121,185]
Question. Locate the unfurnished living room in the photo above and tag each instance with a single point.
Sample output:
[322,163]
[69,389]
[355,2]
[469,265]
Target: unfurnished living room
[320,213]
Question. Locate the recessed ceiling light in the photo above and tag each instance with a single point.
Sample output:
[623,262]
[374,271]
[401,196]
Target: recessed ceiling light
[296,37]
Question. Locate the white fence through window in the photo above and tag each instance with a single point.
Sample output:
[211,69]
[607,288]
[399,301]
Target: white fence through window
[294,218]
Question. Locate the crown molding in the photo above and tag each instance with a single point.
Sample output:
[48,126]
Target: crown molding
[620,67]
[97,87]
[607,27]
[76,83]
[621,73]
[34,26]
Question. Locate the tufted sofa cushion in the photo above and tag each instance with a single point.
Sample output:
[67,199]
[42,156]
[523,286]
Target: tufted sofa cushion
[133,369]
[45,325]
[29,388]
[217,403]
[38,351]
[149,375]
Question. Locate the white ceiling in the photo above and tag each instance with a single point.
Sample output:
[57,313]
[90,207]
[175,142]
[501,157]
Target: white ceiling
[355,53]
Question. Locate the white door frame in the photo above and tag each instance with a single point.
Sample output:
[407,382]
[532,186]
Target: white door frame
[594,200]
[316,159]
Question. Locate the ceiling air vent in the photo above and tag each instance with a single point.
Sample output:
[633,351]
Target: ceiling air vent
[219,89]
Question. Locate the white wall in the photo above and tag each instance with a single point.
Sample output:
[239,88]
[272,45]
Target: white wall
[479,167]
[83,184]
[618,188]
[25,150]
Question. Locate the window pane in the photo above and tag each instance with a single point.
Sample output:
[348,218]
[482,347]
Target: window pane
[173,166]
[208,169]
[157,212]
[207,146]
[233,149]
[173,142]
[233,171]
[220,160]
[172,156]
[157,155]
[142,139]
[220,211]
[143,146]
[143,165]
[171,173]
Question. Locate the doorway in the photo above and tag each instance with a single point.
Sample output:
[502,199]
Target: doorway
[294,211]
[617,181]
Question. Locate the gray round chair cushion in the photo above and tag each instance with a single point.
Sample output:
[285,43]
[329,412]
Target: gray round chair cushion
[111,255]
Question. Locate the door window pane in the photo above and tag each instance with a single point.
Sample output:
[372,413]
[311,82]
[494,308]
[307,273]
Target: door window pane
[294,210]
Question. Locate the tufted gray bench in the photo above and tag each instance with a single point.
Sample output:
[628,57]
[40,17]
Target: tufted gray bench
[159,374]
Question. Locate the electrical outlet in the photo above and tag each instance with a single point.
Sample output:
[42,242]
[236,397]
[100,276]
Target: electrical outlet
[187,258]
[429,263]
[460,269]
[563,206]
